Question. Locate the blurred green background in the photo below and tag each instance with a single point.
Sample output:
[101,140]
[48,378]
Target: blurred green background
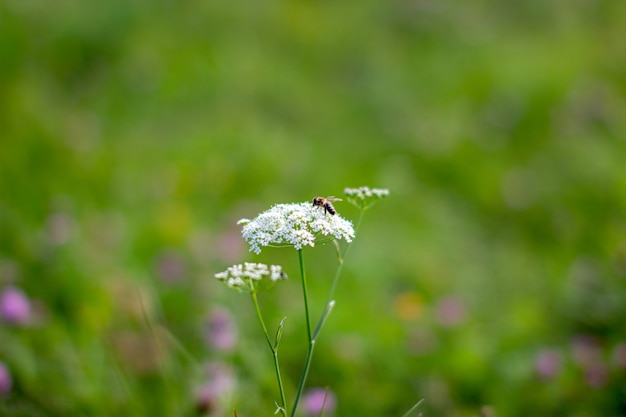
[134,134]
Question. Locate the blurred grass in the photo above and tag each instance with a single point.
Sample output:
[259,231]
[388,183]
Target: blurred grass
[130,131]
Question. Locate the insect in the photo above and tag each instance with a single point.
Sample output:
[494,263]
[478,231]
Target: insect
[326,204]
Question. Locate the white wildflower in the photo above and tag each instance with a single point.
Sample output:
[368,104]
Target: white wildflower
[363,193]
[276,273]
[294,225]
[242,276]
[235,282]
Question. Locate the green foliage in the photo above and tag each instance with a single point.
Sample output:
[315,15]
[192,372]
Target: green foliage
[133,135]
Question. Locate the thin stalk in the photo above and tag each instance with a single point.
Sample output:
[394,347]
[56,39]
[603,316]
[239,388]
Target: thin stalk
[311,347]
[313,337]
[408,413]
[341,257]
[274,349]
[305,295]
[167,364]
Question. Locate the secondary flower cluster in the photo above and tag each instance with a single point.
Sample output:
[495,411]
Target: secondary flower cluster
[295,224]
[242,276]
[363,193]
[363,197]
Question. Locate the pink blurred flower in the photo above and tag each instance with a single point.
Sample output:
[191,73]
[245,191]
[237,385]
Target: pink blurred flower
[587,354]
[14,306]
[316,398]
[548,363]
[219,384]
[230,245]
[221,332]
[170,266]
[597,374]
[5,379]
[450,311]
[585,349]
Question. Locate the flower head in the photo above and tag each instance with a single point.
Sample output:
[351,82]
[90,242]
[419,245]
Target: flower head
[363,193]
[221,332]
[242,277]
[294,225]
[318,400]
[548,363]
[14,306]
[213,393]
[363,197]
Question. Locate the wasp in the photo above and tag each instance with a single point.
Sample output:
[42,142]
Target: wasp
[326,204]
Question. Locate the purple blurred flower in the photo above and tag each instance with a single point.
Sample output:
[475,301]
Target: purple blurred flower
[221,332]
[219,384]
[587,354]
[597,374]
[5,379]
[450,311]
[585,349]
[14,306]
[548,363]
[230,245]
[170,266]
[315,398]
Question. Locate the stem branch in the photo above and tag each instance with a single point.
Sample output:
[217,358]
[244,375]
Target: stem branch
[311,347]
[329,304]
[274,349]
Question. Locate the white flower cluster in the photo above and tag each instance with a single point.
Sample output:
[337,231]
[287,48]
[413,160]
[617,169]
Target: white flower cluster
[363,193]
[295,224]
[240,276]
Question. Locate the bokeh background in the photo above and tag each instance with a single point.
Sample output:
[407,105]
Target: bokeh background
[134,134]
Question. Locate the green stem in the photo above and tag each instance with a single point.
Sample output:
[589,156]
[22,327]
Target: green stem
[274,349]
[305,294]
[408,413]
[340,259]
[311,347]
[313,337]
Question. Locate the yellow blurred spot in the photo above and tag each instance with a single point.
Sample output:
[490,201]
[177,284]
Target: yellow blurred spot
[96,313]
[409,306]
[174,222]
